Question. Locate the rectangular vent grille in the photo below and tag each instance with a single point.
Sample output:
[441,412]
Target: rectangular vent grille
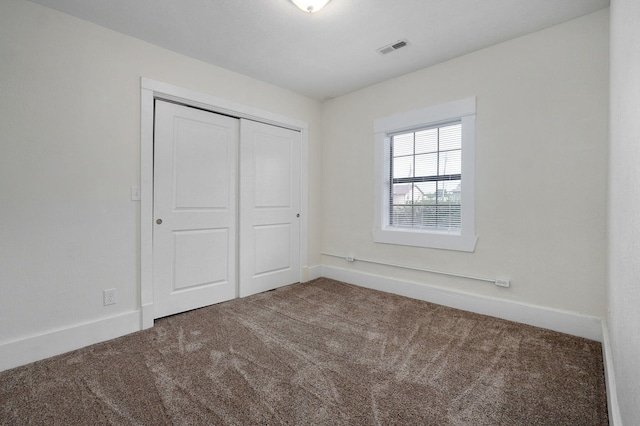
[392,47]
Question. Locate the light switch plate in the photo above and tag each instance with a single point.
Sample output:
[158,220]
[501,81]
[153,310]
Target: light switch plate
[135,193]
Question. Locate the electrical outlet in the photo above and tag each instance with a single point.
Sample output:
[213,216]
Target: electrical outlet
[109,297]
[502,283]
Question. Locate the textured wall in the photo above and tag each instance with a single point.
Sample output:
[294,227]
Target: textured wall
[541,168]
[69,153]
[624,207]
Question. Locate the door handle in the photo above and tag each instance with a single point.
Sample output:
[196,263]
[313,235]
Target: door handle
[159,221]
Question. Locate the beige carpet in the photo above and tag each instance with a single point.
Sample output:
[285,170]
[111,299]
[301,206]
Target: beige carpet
[321,353]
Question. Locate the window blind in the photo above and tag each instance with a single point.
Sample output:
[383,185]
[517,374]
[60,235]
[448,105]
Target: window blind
[426,178]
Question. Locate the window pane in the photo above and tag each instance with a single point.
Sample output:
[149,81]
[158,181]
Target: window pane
[426,217]
[417,195]
[400,193]
[428,191]
[450,162]
[427,141]
[451,137]
[402,167]
[450,193]
[403,144]
[426,165]
[402,216]
[448,216]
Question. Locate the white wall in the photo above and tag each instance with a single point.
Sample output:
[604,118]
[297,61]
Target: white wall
[624,207]
[541,168]
[69,153]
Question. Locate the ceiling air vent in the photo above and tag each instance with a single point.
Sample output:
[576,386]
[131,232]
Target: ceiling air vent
[393,46]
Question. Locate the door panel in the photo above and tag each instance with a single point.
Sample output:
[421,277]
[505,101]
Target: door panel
[195,174]
[272,248]
[200,258]
[272,171]
[269,207]
[197,183]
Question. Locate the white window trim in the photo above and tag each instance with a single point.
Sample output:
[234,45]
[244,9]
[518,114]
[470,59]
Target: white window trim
[464,110]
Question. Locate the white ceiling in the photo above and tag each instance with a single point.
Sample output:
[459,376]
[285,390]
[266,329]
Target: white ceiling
[332,52]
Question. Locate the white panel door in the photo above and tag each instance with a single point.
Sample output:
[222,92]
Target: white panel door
[269,207]
[195,208]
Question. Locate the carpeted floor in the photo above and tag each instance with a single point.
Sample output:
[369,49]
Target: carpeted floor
[320,353]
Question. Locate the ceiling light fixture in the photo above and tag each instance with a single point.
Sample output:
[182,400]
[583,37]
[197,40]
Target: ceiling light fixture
[310,6]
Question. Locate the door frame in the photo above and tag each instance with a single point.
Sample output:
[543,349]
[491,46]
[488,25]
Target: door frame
[153,89]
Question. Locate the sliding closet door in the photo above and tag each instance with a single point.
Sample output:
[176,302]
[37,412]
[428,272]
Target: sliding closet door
[195,208]
[269,207]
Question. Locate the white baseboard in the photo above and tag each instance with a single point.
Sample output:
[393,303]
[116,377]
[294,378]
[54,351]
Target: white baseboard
[610,378]
[576,324]
[314,272]
[147,316]
[30,349]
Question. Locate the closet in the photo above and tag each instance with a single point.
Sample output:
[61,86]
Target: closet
[226,208]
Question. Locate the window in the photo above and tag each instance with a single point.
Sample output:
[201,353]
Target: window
[424,177]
